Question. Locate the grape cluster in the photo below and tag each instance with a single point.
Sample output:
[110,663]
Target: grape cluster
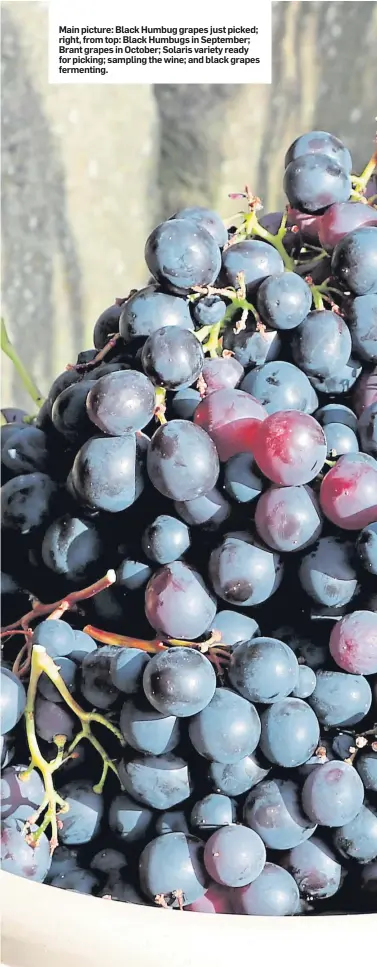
[197,496]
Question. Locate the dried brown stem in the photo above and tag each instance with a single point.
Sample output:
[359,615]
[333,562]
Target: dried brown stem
[40,610]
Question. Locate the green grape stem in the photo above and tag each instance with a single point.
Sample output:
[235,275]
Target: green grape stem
[29,384]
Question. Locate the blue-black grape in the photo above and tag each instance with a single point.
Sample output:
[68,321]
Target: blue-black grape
[242,478]
[147,730]
[341,381]
[209,310]
[290,732]
[234,855]
[21,858]
[340,439]
[108,861]
[357,839]
[181,254]
[159,782]
[171,863]
[340,699]
[73,547]
[129,820]
[333,794]
[233,779]
[133,574]
[20,796]
[212,812]
[235,627]
[255,259]
[288,519]
[319,142]
[284,300]
[69,413]
[315,868]
[366,765]
[336,413]
[321,344]
[106,474]
[121,402]
[273,894]
[27,502]
[184,403]
[210,510]
[64,859]
[172,357]
[313,182]
[68,672]
[306,682]
[367,427]
[26,452]
[149,309]
[166,539]
[52,719]
[361,318]
[207,219]
[12,700]
[327,572]
[227,729]
[281,386]
[127,668]
[263,670]
[252,347]
[172,821]
[273,809]
[83,645]
[79,881]
[182,461]
[107,325]
[179,681]
[243,572]
[96,684]
[57,637]
[178,604]
[354,261]
[82,821]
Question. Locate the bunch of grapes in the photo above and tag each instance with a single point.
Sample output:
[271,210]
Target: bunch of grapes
[189,596]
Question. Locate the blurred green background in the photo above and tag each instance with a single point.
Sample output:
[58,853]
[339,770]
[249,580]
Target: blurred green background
[87,171]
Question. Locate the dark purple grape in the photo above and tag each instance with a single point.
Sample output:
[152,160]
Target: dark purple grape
[133,574]
[354,261]
[172,357]
[73,547]
[79,881]
[288,519]
[242,478]
[82,821]
[166,539]
[273,894]
[27,502]
[173,821]
[184,403]
[147,730]
[367,427]
[284,301]
[129,820]
[263,670]
[336,413]
[340,219]
[19,857]
[333,794]
[243,572]
[209,310]
[365,392]
[314,181]
[96,685]
[66,378]
[12,700]
[108,861]
[321,345]
[234,856]
[290,732]
[121,402]
[252,347]
[52,719]
[210,510]
[281,386]
[207,219]
[340,699]
[315,868]
[25,452]
[340,439]
[69,413]
[278,800]
[327,572]
[107,325]
[181,254]
[357,839]
[221,372]
[126,669]
[233,779]
[366,548]
[255,259]
[159,782]
[366,765]
[57,637]
[179,681]
[106,474]
[341,381]
[182,461]
[212,812]
[320,142]
[234,627]
[148,310]
[227,729]
[171,860]
[68,670]
[21,792]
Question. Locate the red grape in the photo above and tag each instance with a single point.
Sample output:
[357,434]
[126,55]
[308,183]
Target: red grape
[231,418]
[290,448]
[353,643]
[348,494]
